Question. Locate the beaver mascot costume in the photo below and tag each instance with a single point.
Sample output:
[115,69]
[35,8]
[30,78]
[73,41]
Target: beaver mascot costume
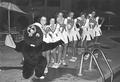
[32,47]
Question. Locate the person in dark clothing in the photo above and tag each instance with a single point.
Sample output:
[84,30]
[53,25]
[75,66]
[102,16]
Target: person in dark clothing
[32,47]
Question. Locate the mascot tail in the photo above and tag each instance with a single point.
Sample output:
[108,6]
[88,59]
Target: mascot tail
[9,41]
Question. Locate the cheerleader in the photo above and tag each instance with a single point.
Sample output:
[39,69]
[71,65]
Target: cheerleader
[54,35]
[86,32]
[61,32]
[80,22]
[69,21]
[92,24]
[46,29]
[71,33]
[46,38]
[54,30]
[78,28]
[97,29]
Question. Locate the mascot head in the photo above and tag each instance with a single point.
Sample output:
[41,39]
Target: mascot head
[33,34]
[31,30]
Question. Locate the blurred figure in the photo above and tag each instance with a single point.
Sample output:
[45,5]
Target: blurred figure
[72,33]
[46,38]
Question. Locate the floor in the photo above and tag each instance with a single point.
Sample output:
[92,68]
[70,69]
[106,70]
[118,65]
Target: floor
[110,44]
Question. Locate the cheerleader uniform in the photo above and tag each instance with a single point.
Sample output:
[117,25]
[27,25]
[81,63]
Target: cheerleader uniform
[54,33]
[46,36]
[62,30]
[92,24]
[86,31]
[97,28]
[70,29]
[80,22]
[76,34]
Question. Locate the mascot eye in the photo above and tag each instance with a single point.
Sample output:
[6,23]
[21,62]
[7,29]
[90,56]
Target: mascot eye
[28,31]
[33,28]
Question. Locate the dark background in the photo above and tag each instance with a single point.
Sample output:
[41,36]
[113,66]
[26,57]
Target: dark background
[49,8]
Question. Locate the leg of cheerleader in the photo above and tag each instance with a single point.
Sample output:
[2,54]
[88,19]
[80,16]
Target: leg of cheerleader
[85,42]
[70,36]
[48,57]
[96,37]
[98,33]
[65,47]
[59,52]
[74,47]
[88,38]
[59,55]
[78,38]
[82,42]
[92,36]
[47,54]
[80,33]
[83,36]
[74,50]
[64,54]
[74,43]
[53,58]
[69,42]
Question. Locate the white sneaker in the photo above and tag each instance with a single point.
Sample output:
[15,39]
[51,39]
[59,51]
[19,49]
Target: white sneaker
[42,77]
[46,70]
[73,59]
[66,54]
[56,65]
[63,62]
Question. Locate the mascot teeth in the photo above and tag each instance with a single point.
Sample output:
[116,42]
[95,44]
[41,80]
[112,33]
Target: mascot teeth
[37,35]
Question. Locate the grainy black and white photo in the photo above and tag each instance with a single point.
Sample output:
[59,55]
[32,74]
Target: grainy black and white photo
[59,41]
